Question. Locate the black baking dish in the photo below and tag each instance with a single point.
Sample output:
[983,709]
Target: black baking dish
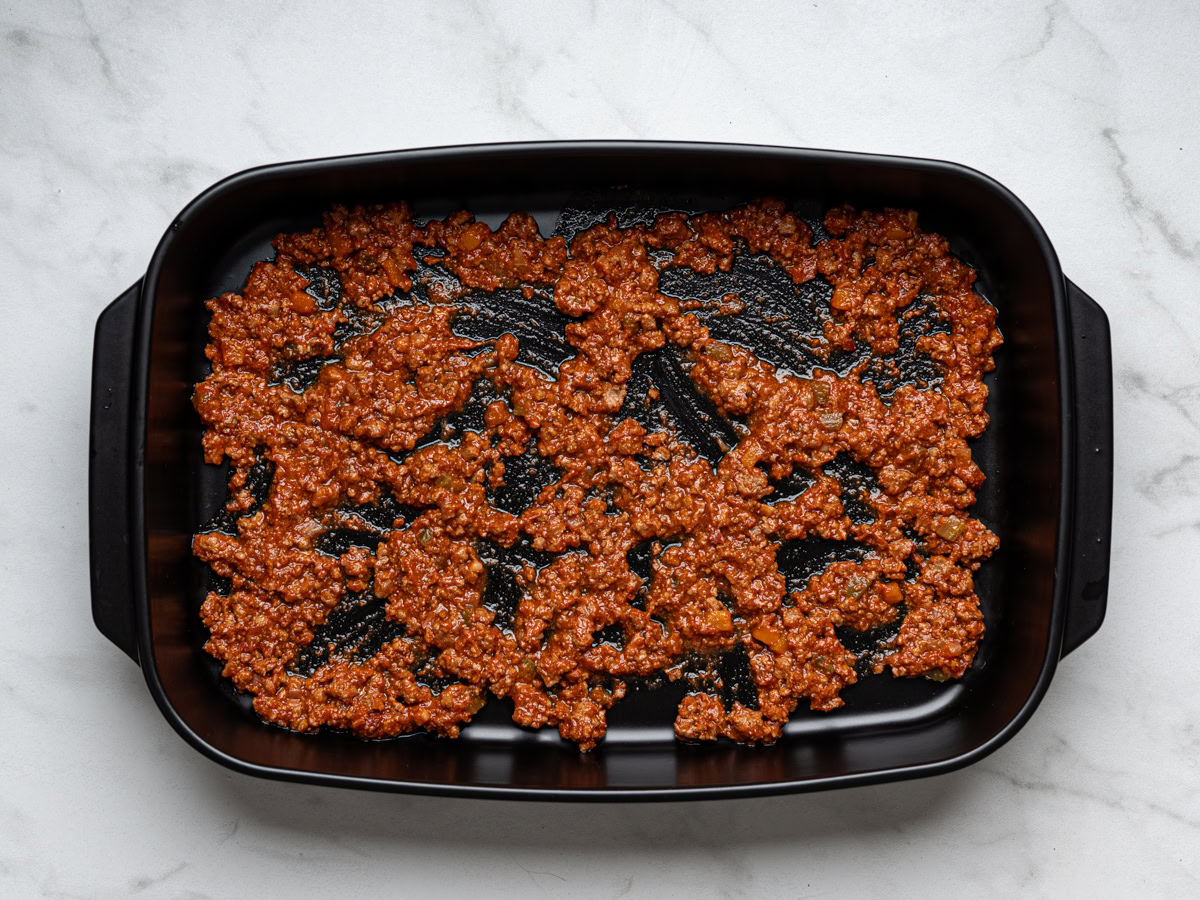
[1047,455]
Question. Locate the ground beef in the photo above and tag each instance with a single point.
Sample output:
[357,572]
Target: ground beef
[365,434]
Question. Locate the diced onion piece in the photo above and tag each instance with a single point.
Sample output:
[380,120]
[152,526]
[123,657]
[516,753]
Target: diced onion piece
[951,529]
[857,585]
[718,352]
[451,483]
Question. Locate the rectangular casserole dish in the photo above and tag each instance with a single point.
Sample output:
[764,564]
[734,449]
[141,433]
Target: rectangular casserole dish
[1047,456]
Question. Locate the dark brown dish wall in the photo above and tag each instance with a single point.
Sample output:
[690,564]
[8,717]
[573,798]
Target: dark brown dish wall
[890,728]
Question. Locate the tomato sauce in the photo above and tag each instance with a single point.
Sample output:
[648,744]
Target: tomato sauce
[387,367]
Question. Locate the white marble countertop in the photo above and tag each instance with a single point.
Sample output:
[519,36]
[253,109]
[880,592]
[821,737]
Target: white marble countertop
[114,114]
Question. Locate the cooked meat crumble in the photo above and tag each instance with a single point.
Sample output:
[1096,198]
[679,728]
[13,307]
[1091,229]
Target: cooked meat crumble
[340,369]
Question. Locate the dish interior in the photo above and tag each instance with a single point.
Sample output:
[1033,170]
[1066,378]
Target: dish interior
[887,722]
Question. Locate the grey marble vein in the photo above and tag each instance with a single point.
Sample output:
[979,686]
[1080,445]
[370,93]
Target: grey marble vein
[1143,211]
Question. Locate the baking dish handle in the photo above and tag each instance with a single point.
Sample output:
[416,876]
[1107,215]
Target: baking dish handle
[109,472]
[1087,586]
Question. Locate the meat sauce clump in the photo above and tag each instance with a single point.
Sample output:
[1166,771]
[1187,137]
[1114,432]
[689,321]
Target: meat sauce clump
[338,371]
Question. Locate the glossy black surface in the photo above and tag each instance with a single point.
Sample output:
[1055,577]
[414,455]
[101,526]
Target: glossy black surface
[889,728]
